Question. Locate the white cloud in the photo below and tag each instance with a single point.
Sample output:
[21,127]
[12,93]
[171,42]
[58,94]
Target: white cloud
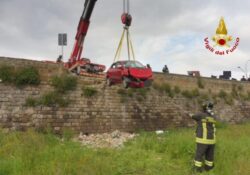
[164,32]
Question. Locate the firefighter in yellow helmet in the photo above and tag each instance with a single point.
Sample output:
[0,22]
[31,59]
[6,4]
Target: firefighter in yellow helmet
[205,138]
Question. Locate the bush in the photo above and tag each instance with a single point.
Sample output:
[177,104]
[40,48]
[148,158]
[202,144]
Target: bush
[200,83]
[187,94]
[222,94]
[31,102]
[248,95]
[50,99]
[21,77]
[64,83]
[142,92]
[204,97]
[165,87]
[89,91]
[53,99]
[168,90]
[171,94]
[158,86]
[240,88]
[27,76]
[139,94]
[191,94]
[234,92]
[177,90]
[122,92]
[7,74]
[129,93]
[125,94]
[245,97]
[228,99]
[195,93]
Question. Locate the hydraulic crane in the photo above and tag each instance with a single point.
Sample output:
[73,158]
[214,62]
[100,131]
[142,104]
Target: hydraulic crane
[76,63]
[83,65]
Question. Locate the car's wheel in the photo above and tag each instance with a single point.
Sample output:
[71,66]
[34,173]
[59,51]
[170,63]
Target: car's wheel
[125,83]
[109,82]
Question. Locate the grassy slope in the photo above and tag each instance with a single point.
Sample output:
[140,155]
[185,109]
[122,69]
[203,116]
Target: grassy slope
[31,153]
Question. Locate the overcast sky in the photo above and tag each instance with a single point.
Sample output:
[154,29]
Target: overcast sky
[168,32]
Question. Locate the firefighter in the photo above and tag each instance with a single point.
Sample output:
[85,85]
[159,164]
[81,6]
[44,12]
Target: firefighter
[205,138]
[165,69]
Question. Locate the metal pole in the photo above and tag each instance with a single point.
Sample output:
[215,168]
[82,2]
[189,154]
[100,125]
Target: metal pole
[246,68]
[62,51]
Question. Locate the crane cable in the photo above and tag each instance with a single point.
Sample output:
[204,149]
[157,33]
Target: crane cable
[126,7]
[130,48]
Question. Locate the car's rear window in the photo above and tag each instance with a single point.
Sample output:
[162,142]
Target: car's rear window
[134,64]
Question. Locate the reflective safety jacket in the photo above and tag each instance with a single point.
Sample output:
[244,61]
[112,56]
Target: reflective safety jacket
[205,132]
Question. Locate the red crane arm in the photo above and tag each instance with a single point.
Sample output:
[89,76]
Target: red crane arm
[82,30]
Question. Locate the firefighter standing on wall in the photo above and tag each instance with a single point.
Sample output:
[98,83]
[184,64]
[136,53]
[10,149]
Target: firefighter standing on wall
[205,138]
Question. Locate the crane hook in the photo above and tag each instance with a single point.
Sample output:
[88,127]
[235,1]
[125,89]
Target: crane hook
[126,17]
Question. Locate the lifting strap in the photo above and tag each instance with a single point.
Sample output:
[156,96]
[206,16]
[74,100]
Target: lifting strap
[126,32]
[129,46]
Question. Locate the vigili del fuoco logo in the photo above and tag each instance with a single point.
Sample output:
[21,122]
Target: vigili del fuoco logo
[222,42]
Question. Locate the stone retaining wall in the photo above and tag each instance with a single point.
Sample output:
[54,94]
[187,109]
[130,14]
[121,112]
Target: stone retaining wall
[107,111]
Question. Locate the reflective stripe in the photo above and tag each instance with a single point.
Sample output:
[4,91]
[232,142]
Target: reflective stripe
[205,141]
[210,120]
[197,163]
[204,129]
[214,131]
[203,120]
[208,163]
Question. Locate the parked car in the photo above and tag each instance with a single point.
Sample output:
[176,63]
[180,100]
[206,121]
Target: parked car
[130,74]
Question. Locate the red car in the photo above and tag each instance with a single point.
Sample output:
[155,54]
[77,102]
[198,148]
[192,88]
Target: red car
[130,74]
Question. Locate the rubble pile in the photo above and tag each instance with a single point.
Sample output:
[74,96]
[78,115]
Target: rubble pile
[115,139]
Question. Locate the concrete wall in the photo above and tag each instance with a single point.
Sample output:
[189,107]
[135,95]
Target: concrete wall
[107,111]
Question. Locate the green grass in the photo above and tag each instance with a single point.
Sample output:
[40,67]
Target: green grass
[20,77]
[127,95]
[89,92]
[64,83]
[200,83]
[172,153]
[53,99]
[6,74]
[27,76]
[165,87]
[191,93]
[50,99]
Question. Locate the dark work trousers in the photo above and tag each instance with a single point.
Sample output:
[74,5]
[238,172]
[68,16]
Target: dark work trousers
[204,152]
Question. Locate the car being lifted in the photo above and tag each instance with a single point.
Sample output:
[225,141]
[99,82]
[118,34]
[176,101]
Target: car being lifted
[130,74]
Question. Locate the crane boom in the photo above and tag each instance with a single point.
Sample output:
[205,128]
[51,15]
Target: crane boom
[82,30]
[75,62]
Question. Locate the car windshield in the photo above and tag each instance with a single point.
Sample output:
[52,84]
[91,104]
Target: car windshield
[134,64]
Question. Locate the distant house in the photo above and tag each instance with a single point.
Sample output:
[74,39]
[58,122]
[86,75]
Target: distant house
[226,75]
[194,73]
